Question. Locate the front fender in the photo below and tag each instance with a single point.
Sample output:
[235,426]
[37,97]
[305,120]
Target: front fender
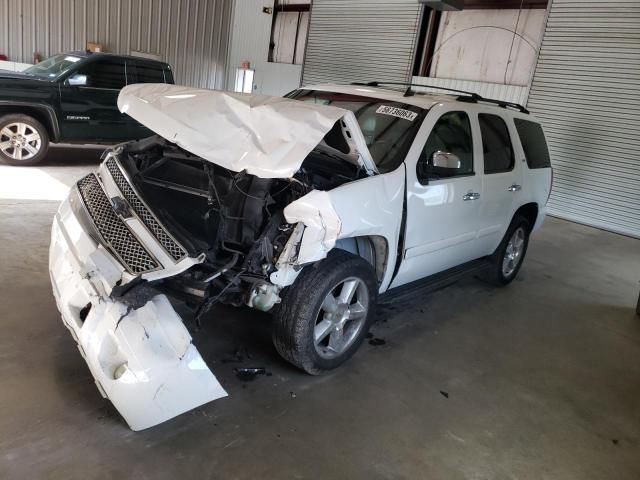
[47,111]
[367,207]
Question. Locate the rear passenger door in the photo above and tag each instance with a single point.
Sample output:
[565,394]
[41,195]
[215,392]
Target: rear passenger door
[502,179]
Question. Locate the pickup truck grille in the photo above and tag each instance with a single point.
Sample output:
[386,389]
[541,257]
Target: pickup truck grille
[141,210]
[116,235]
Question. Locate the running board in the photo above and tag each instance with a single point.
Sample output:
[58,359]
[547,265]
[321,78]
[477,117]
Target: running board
[434,282]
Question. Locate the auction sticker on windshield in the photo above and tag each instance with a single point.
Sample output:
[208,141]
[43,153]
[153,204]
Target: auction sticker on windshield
[397,112]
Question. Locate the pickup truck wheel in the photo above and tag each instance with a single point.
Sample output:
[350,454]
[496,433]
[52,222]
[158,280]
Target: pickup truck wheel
[326,314]
[508,257]
[23,140]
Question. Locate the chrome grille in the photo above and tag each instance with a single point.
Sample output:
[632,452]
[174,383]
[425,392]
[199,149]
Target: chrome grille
[141,210]
[113,230]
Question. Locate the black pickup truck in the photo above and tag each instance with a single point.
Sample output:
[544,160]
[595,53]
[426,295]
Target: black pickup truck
[70,98]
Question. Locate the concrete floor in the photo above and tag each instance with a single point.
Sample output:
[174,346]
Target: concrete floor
[537,380]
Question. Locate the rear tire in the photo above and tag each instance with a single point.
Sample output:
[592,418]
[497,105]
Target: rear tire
[23,140]
[325,315]
[508,257]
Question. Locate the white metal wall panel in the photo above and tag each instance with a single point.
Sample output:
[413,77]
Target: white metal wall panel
[499,91]
[361,40]
[586,92]
[191,35]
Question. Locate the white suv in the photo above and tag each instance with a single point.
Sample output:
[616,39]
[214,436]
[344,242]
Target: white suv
[310,206]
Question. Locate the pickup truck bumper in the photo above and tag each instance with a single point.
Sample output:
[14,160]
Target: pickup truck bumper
[142,360]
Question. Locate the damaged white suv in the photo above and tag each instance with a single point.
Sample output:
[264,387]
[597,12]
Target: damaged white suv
[310,206]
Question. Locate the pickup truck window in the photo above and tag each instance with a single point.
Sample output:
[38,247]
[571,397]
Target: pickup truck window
[142,72]
[450,134]
[496,144]
[104,73]
[533,143]
[53,67]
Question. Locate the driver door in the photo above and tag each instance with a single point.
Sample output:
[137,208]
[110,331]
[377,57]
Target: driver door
[88,101]
[443,202]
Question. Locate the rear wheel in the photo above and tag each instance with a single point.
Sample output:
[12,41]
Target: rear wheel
[508,257]
[326,314]
[23,140]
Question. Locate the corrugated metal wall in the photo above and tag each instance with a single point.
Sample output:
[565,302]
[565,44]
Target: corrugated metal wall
[191,35]
[361,40]
[586,91]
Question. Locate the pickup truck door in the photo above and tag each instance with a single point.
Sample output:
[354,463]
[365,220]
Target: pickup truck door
[502,179]
[443,204]
[88,100]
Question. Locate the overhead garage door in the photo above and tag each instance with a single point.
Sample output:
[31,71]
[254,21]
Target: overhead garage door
[586,91]
[361,40]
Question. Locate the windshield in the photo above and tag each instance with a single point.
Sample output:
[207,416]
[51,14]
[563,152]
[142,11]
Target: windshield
[53,67]
[388,127]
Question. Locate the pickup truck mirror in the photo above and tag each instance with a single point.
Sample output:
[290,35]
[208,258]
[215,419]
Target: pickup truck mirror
[77,80]
[446,160]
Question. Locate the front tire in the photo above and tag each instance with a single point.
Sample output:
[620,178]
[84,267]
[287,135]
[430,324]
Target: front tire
[326,314]
[23,140]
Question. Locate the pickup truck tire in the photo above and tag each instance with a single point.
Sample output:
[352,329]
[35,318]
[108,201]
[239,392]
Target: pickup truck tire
[23,140]
[325,315]
[508,257]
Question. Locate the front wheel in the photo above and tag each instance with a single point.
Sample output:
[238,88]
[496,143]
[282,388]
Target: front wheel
[23,140]
[326,314]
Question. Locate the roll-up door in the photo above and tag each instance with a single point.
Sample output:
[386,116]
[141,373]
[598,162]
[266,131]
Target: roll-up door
[361,40]
[586,92]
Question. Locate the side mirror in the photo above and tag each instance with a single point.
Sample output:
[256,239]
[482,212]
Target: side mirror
[77,80]
[445,160]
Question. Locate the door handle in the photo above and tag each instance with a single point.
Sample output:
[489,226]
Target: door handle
[471,196]
[515,188]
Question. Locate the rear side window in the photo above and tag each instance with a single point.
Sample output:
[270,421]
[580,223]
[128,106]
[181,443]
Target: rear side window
[533,143]
[104,73]
[145,72]
[496,144]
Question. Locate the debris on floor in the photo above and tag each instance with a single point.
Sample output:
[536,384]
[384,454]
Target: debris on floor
[376,342]
[444,394]
[238,356]
[249,374]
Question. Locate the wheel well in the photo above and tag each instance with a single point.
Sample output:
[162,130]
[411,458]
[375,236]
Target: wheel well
[528,211]
[373,248]
[39,114]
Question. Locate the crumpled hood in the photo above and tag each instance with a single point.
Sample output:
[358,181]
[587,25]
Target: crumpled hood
[267,136]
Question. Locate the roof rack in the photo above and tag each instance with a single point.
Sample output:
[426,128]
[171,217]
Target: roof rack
[467,96]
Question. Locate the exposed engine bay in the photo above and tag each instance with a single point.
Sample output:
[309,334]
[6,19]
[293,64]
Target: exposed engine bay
[235,219]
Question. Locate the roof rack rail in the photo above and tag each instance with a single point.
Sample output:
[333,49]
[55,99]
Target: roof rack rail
[471,97]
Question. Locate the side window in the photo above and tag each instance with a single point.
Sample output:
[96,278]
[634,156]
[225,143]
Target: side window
[533,143]
[104,73]
[496,144]
[143,72]
[450,135]
[168,75]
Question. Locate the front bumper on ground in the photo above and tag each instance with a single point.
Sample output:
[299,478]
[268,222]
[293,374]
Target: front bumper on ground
[142,360]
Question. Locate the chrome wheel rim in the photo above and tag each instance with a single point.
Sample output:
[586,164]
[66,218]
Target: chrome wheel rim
[341,317]
[19,141]
[513,252]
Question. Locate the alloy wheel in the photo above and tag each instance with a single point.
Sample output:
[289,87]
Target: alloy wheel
[20,141]
[341,317]
[513,252]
